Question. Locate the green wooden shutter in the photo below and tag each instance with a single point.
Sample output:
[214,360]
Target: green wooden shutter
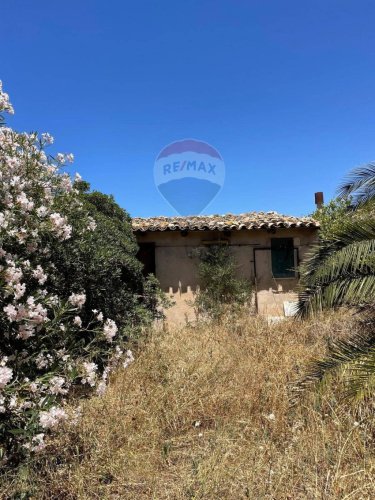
[282,254]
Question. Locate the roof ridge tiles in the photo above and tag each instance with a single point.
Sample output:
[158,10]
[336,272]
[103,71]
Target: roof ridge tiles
[247,220]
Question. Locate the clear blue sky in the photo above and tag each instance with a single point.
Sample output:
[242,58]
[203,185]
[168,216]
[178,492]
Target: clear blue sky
[283,89]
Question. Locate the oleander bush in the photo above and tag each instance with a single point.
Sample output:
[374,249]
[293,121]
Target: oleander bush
[71,290]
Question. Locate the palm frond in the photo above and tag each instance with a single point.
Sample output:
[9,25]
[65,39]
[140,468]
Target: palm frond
[357,229]
[340,271]
[355,356]
[352,291]
[360,184]
[360,378]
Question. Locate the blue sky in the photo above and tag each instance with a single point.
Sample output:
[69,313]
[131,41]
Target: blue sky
[283,89]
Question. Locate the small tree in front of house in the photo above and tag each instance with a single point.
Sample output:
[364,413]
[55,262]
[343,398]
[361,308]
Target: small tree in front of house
[221,290]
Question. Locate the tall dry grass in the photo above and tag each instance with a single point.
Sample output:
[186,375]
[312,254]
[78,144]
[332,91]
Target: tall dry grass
[204,413]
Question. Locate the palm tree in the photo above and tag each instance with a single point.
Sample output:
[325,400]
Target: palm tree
[340,271]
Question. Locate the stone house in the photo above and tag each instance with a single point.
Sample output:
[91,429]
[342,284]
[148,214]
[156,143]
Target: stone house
[267,247]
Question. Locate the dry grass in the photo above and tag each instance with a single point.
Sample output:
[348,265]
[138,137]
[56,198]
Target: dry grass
[190,419]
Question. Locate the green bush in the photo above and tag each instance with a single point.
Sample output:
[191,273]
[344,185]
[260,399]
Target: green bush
[331,216]
[104,264]
[221,290]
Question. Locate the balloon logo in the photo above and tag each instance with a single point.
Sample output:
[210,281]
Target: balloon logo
[189,174]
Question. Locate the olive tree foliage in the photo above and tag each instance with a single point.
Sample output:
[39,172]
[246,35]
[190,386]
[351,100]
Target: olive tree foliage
[222,291]
[71,290]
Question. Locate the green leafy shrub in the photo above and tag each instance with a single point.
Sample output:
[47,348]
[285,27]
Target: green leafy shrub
[221,290]
[104,264]
[332,215]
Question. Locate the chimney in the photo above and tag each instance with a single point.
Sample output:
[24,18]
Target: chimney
[319,200]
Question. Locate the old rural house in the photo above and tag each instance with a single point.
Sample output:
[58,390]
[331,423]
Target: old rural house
[267,247]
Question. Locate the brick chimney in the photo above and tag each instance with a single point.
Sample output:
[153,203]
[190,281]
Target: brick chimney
[319,199]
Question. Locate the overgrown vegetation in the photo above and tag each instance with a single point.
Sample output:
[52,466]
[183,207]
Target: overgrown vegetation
[71,290]
[104,264]
[341,272]
[341,268]
[332,215]
[222,291]
[205,413]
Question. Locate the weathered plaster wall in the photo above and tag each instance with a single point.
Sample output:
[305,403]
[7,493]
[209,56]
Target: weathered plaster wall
[176,267]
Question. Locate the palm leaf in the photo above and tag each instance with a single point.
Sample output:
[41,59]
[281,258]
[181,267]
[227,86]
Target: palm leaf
[360,380]
[360,183]
[340,271]
[357,229]
[355,357]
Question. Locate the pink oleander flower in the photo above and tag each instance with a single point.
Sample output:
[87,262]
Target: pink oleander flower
[52,418]
[5,104]
[56,386]
[35,312]
[25,203]
[101,388]
[6,375]
[77,299]
[39,275]
[42,211]
[3,221]
[25,331]
[13,274]
[60,226]
[37,443]
[89,376]
[77,321]
[19,290]
[109,329]
[62,158]
[11,312]
[91,225]
[43,360]
[47,138]
[34,387]
[66,183]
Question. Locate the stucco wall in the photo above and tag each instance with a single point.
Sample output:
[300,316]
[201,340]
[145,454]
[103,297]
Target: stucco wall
[176,267]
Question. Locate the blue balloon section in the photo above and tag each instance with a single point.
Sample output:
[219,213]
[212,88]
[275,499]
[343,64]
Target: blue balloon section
[189,196]
[189,174]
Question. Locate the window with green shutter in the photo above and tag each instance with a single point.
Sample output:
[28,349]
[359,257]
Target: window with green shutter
[282,255]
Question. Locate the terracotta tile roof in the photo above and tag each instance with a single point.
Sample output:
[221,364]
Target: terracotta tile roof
[250,220]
